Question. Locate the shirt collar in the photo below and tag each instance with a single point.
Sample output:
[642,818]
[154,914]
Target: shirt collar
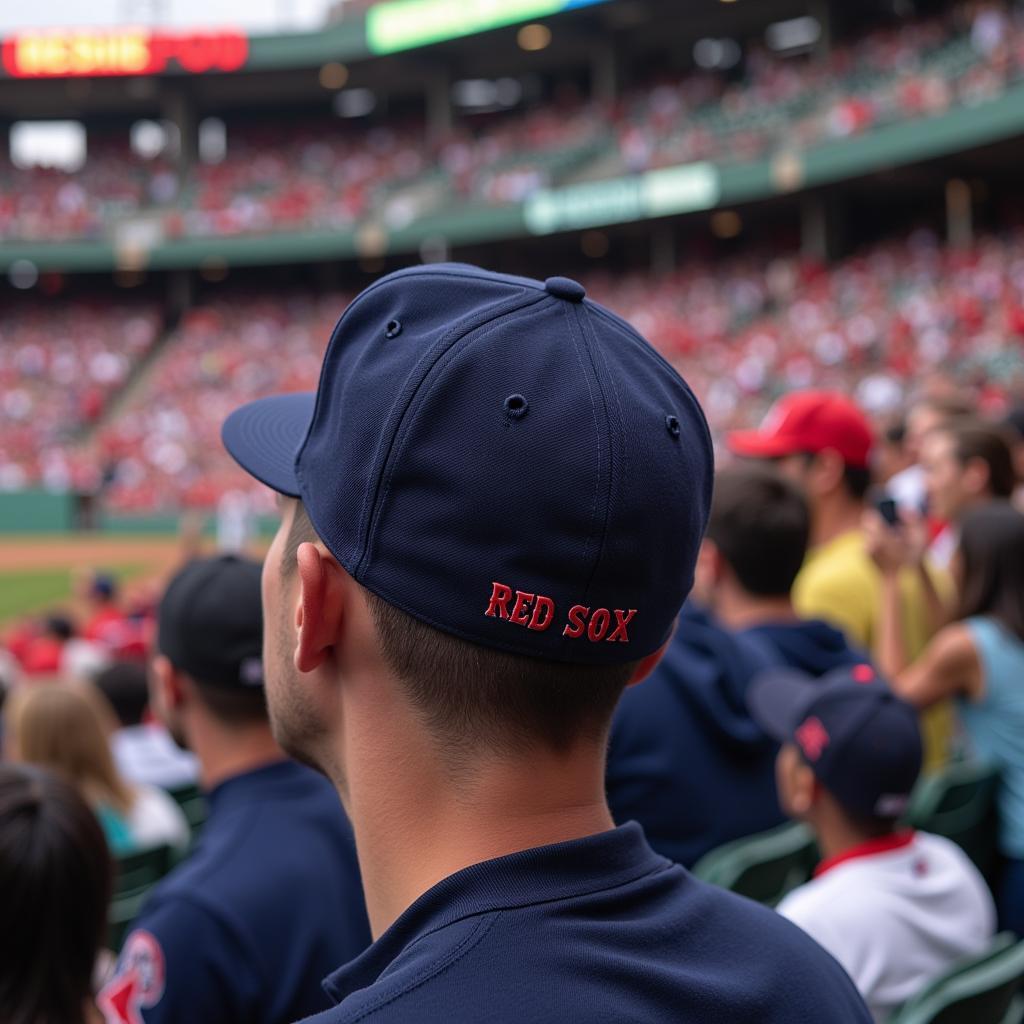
[545,873]
[883,844]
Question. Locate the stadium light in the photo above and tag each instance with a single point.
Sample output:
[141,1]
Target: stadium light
[354,102]
[23,274]
[726,224]
[534,37]
[793,34]
[716,53]
[333,75]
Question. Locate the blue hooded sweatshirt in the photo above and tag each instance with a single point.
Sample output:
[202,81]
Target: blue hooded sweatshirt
[812,646]
[685,759]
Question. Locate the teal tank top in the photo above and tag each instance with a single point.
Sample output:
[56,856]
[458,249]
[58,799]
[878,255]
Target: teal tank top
[116,829]
[995,724]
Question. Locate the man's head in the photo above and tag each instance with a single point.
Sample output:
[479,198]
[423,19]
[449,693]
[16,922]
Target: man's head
[757,534]
[851,750]
[929,414]
[125,686]
[966,462]
[496,501]
[209,648]
[818,439]
[102,589]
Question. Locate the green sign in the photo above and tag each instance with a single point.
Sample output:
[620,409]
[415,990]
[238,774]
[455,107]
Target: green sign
[620,200]
[402,24]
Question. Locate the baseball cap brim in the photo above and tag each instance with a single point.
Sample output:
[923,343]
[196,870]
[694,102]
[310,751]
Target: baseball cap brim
[753,444]
[264,437]
[779,700]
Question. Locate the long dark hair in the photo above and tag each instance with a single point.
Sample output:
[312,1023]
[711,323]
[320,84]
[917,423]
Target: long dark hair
[992,562]
[55,878]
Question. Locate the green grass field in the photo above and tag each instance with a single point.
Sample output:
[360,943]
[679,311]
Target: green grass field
[29,591]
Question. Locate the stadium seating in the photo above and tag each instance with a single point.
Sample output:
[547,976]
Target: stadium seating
[193,804]
[136,874]
[763,867]
[959,802]
[303,173]
[980,991]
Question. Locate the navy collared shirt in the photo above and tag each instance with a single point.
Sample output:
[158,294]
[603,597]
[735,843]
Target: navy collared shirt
[602,930]
[245,929]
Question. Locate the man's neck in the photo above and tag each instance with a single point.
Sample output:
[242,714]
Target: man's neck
[224,753]
[834,516]
[736,609]
[836,836]
[411,835]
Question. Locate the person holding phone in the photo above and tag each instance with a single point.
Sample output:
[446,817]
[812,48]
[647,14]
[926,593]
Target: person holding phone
[977,660]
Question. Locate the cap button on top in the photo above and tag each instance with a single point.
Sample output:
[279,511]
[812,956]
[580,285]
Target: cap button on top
[565,288]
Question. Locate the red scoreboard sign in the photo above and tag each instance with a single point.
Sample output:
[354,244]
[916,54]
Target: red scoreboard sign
[129,51]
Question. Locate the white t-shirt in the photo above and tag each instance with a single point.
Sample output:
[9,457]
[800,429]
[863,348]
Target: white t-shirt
[156,820]
[147,755]
[896,913]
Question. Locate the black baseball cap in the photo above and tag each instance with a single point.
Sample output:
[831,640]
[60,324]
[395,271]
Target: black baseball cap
[210,622]
[501,458]
[862,742]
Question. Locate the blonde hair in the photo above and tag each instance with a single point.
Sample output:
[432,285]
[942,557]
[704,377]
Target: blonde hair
[61,728]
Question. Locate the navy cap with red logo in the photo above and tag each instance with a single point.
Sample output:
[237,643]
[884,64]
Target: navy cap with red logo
[862,742]
[501,458]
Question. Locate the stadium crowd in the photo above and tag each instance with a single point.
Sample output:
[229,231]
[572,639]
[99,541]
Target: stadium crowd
[857,619]
[309,173]
[873,325]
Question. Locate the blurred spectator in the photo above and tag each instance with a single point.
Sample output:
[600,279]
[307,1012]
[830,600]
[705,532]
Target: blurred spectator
[892,457]
[754,548]
[60,728]
[978,660]
[106,618]
[822,442]
[144,751]
[1015,432]
[908,487]
[55,885]
[966,463]
[42,653]
[269,902]
[896,908]
[685,758]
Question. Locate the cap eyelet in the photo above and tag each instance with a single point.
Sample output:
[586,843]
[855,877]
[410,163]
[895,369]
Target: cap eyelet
[393,329]
[672,423]
[516,406]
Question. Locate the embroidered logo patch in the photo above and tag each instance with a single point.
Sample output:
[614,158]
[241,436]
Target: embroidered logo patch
[813,738]
[139,982]
[538,612]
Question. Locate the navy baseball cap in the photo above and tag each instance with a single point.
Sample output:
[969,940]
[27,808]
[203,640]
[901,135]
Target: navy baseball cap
[861,741]
[501,458]
[210,622]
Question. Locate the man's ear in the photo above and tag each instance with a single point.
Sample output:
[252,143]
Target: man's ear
[318,614]
[647,665]
[805,789]
[166,688]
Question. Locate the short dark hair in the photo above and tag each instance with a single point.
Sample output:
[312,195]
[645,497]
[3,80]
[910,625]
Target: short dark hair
[124,685]
[761,524]
[992,552]
[233,705]
[473,697]
[55,884]
[975,439]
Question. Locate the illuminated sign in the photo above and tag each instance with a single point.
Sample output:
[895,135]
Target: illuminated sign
[671,190]
[402,24]
[122,51]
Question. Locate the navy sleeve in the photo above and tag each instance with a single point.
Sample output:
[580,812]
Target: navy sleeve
[181,962]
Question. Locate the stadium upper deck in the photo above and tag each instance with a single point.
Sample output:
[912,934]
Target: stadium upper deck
[601,125]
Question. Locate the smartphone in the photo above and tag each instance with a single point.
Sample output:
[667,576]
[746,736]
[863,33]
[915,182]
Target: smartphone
[888,511]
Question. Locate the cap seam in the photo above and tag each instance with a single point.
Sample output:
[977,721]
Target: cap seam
[602,531]
[422,372]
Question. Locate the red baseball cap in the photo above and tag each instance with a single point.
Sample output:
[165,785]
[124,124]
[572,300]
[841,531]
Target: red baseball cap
[808,421]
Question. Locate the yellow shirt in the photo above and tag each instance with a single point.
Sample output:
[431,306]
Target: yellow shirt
[841,584]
